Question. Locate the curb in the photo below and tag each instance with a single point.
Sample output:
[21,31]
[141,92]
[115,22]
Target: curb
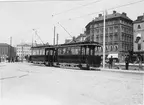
[120,70]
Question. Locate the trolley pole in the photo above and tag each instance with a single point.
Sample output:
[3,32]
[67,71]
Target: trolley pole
[104,41]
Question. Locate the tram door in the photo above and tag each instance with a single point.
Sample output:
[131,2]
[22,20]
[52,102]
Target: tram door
[50,56]
[90,55]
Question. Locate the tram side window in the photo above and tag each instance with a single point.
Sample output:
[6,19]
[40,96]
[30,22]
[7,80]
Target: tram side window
[87,51]
[68,51]
[43,51]
[63,51]
[96,49]
[51,52]
[83,51]
[75,50]
[37,52]
[34,52]
[47,52]
[40,52]
[59,51]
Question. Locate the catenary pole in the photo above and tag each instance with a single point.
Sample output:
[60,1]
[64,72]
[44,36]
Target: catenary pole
[10,48]
[104,39]
[32,46]
[57,39]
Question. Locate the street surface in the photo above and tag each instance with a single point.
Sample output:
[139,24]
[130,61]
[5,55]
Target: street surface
[29,84]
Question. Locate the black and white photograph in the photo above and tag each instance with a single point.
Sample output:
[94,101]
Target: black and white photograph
[71,52]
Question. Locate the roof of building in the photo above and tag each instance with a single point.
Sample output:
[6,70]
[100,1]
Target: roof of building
[24,44]
[110,16]
[4,44]
[139,19]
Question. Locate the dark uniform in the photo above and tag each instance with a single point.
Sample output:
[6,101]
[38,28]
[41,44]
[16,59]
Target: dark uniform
[110,62]
[127,62]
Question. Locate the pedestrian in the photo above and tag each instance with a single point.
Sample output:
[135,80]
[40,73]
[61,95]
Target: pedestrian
[140,61]
[127,62]
[110,62]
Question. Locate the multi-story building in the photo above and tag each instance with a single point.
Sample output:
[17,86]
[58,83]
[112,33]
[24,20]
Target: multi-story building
[23,50]
[118,37]
[138,26]
[7,51]
[79,38]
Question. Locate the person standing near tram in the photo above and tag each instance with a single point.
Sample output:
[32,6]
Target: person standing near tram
[110,62]
[127,62]
[140,61]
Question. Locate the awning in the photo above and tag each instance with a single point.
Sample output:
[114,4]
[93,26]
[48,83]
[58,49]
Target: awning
[138,35]
[113,56]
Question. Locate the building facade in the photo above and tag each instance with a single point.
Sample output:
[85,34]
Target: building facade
[79,38]
[23,50]
[138,26]
[118,37]
[7,51]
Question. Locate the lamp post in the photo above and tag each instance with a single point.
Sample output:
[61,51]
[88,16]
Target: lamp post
[104,40]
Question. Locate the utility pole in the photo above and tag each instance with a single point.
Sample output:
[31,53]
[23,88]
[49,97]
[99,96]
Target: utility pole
[104,40]
[32,46]
[22,54]
[57,39]
[10,47]
[54,36]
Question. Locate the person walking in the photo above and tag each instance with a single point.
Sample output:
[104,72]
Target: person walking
[110,62]
[140,62]
[127,62]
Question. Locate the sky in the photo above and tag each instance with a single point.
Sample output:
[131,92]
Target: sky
[18,19]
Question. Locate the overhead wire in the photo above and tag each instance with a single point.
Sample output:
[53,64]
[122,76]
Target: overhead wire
[91,3]
[4,1]
[119,6]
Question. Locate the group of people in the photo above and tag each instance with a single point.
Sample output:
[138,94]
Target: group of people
[127,61]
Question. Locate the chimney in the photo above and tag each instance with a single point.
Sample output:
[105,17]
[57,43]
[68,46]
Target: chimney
[100,15]
[124,14]
[114,12]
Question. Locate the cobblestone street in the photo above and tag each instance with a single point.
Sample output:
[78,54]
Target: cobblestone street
[28,84]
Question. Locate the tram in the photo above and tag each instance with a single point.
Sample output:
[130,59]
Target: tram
[79,54]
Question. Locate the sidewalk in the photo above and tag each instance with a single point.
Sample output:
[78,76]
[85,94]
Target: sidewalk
[124,71]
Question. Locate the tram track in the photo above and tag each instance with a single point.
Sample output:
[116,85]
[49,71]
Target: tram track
[12,77]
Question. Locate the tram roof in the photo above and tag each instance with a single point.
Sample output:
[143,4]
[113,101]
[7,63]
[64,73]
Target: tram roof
[70,44]
[81,44]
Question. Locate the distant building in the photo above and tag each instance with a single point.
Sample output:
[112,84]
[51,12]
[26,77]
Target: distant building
[79,38]
[7,51]
[119,34]
[139,35]
[23,50]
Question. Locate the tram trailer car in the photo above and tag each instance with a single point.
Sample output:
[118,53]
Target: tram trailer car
[81,54]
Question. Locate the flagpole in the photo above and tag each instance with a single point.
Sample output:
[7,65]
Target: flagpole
[104,40]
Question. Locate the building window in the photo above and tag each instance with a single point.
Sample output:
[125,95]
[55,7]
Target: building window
[139,46]
[106,48]
[139,27]
[116,48]
[111,48]
[116,29]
